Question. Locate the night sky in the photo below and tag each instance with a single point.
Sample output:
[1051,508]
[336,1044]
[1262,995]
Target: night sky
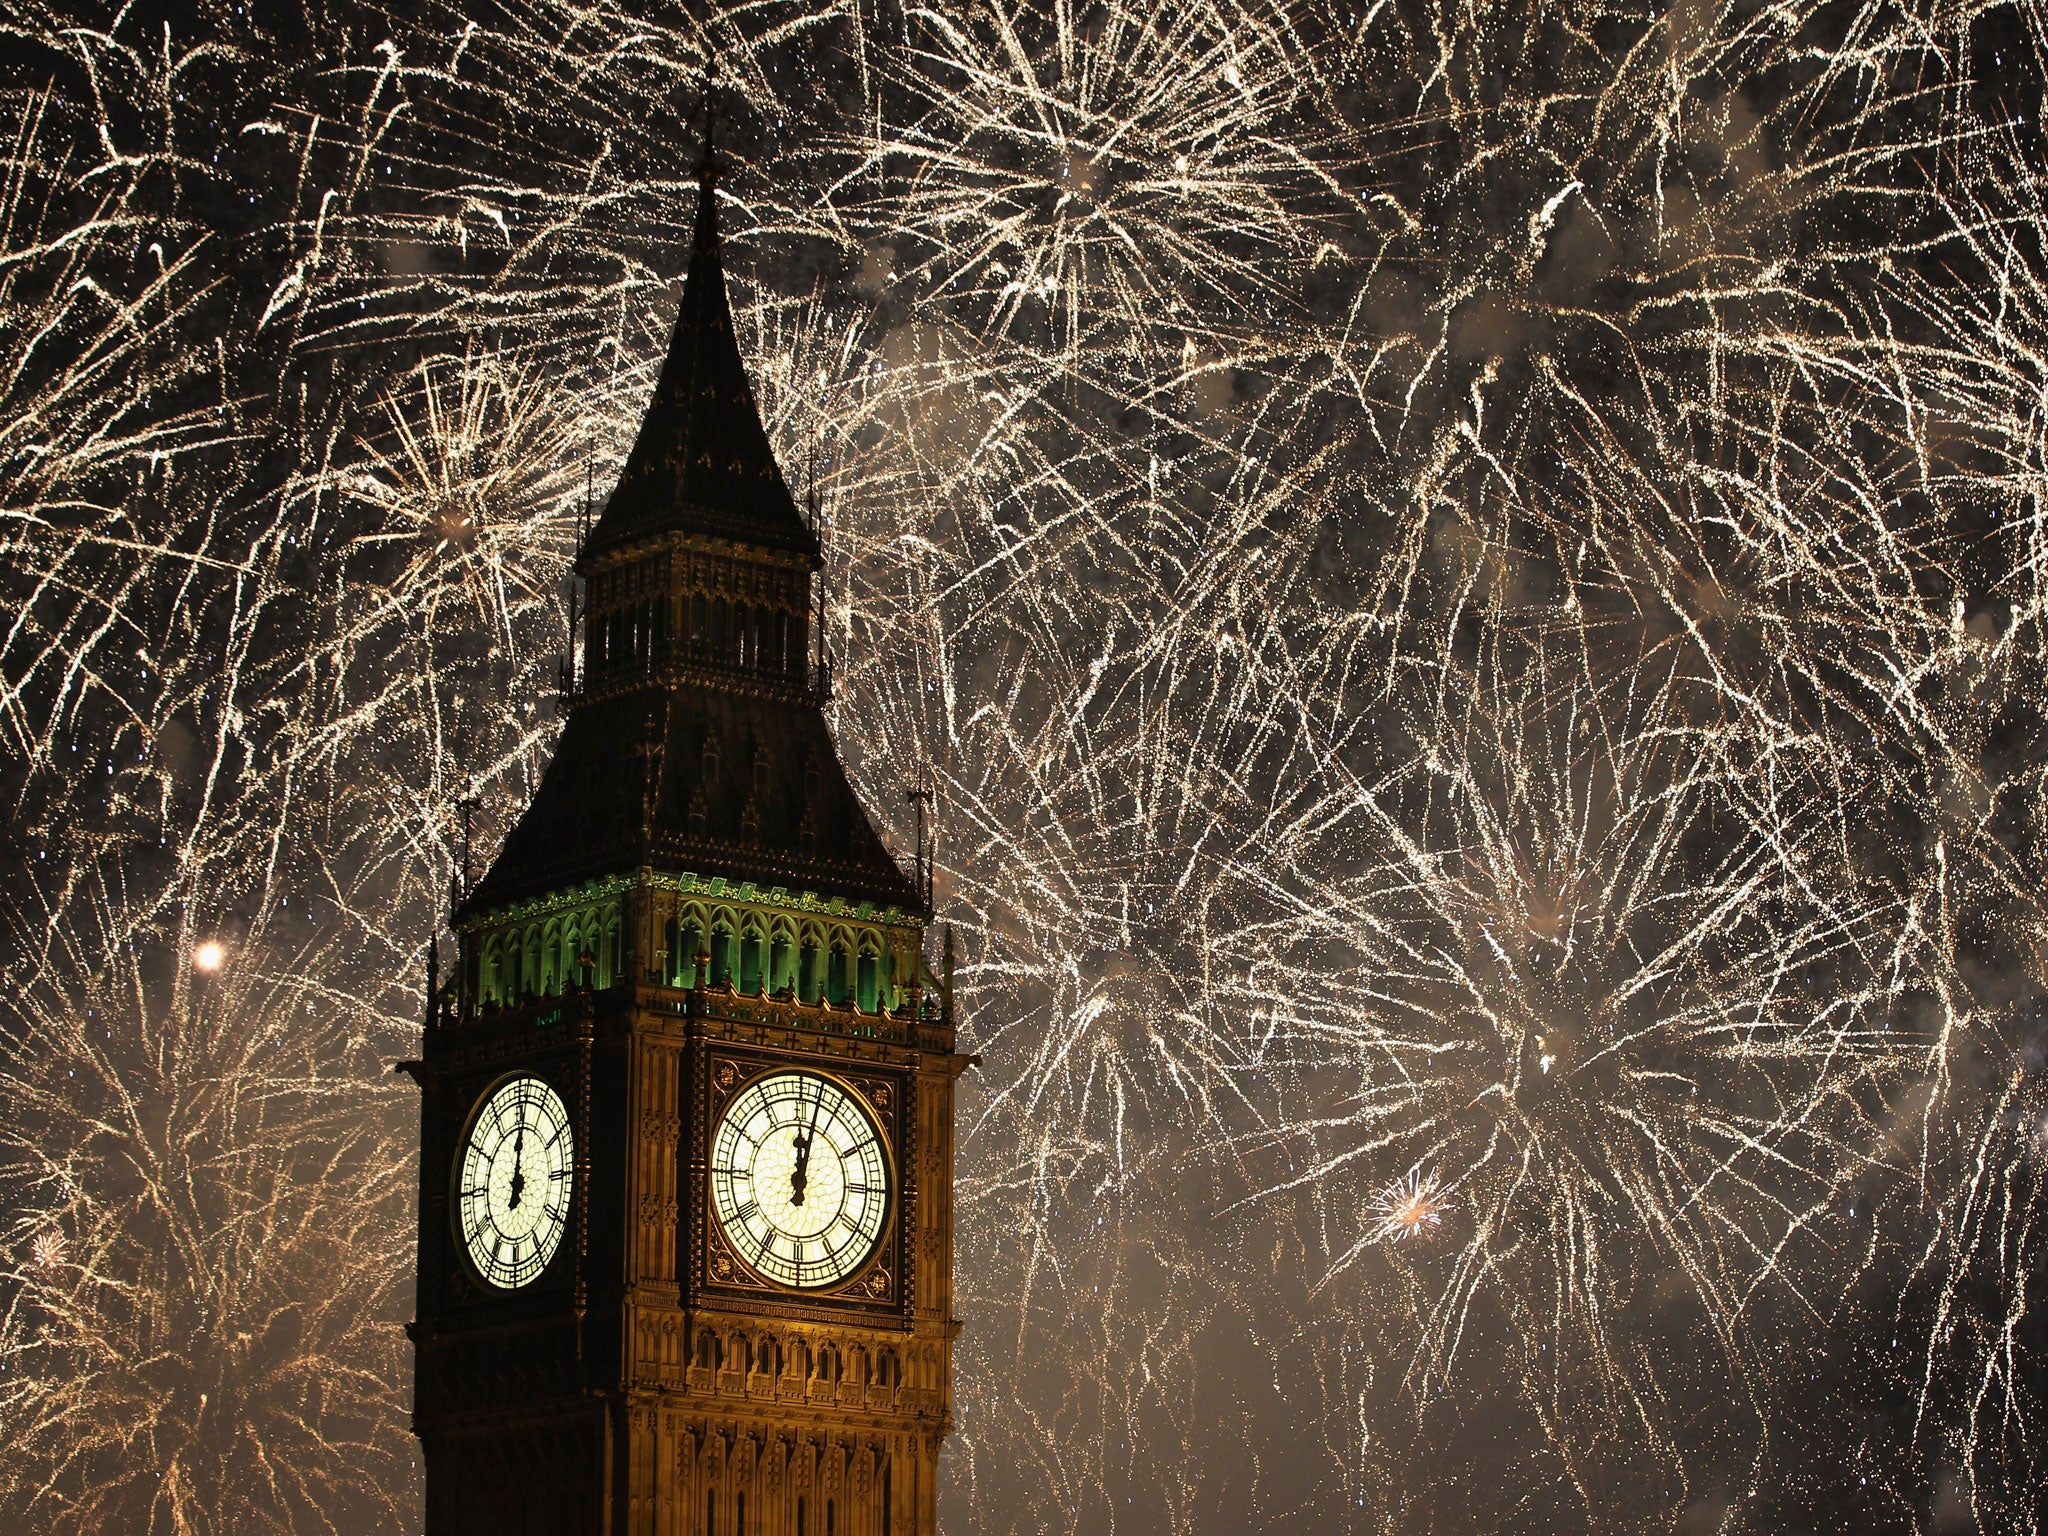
[1471,582]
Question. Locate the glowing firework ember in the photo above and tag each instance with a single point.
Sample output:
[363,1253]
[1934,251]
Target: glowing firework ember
[1471,585]
[208,956]
[1409,1207]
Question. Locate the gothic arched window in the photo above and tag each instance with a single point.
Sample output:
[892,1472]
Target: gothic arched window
[721,953]
[693,946]
[781,960]
[572,948]
[487,972]
[750,959]
[550,973]
[810,970]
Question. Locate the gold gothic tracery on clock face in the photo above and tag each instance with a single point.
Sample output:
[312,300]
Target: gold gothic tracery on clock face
[799,1181]
[512,1185]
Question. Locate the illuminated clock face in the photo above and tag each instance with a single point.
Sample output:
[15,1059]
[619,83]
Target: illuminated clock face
[798,1180]
[512,1188]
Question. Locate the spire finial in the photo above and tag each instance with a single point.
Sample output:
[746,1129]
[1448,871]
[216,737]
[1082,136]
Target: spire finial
[704,241]
[707,165]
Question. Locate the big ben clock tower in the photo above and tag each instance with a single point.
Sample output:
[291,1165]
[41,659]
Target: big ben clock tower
[685,1246]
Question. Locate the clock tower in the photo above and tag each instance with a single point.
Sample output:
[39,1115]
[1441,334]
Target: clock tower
[686,1130]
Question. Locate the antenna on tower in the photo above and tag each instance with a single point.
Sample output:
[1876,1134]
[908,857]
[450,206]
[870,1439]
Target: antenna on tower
[566,672]
[707,171]
[920,796]
[467,807]
[811,477]
[824,667]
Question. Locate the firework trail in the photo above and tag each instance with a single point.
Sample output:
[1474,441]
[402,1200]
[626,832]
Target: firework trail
[1472,587]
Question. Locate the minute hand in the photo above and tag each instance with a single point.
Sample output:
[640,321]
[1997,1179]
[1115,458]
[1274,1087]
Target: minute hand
[800,1176]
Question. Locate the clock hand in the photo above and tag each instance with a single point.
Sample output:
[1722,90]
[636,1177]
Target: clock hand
[518,1157]
[799,1177]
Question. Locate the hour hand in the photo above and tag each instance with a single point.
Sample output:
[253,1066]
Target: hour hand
[519,1163]
[798,1176]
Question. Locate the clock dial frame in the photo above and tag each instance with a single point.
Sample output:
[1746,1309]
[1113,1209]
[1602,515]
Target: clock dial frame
[801,1179]
[514,1180]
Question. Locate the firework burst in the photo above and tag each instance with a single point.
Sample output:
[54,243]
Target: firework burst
[1410,1207]
[1471,587]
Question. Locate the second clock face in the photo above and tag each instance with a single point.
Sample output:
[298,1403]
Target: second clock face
[513,1182]
[799,1184]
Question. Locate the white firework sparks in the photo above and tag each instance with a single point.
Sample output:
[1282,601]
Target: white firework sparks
[1472,586]
[1410,1206]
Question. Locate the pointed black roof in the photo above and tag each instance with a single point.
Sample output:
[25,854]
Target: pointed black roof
[702,463]
[691,768]
[704,780]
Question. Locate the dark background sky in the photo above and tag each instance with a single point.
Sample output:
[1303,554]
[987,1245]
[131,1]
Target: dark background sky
[1471,583]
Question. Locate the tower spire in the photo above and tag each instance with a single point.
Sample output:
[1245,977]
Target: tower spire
[700,590]
[702,463]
